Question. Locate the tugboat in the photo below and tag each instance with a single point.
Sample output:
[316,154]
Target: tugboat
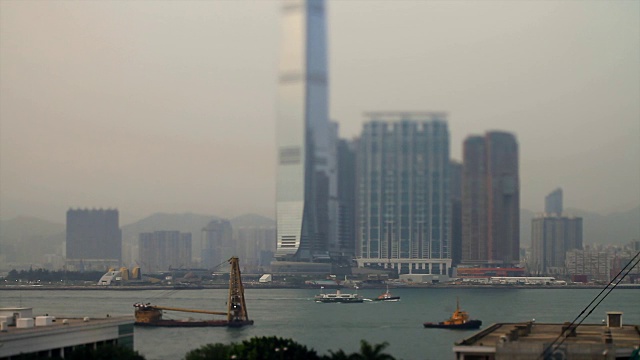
[236,314]
[338,297]
[386,296]
[459,320]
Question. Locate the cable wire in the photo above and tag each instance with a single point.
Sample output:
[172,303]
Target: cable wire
[549,349]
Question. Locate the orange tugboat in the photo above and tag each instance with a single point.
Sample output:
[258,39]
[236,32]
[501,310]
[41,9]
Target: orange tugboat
[386,296]
[236,314]
[459,320]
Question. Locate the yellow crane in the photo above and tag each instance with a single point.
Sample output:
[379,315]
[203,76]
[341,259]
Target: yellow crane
[151,315]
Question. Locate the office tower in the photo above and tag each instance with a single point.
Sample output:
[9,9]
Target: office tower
[490,200]
[455,176]
[403,201]
[217,243]
[553,202]
[346,198]
[551,237]
[164,250]
[94,237]
[306,183]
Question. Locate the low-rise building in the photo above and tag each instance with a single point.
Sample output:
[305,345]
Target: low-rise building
[47,336]
[530,340]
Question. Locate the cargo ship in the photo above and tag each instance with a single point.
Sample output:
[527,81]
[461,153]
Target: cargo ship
[458,321]
[236,314]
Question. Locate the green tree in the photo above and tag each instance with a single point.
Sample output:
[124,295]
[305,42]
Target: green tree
[210,351]
[256,348]
[104,352]
[372,352]
[340,355]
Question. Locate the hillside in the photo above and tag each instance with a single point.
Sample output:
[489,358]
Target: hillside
[252,220]
[186,222]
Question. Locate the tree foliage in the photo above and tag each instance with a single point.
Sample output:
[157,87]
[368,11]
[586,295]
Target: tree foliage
[45,275]
[275,348]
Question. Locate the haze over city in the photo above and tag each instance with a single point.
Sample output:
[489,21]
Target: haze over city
[170,106]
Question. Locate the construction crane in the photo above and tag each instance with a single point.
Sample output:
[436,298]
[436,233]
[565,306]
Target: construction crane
[151,315]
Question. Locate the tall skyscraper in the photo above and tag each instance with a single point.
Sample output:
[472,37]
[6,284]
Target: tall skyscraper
[551,237]
[403,202]
[455,175]
[94,237]
[161,250]
[347,198]
[553,202]
[490,200]
[306,192]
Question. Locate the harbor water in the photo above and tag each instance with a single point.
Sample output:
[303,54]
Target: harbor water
[292,313]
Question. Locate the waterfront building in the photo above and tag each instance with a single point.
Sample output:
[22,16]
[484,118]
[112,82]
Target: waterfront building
[490,200]
[553,202]
[594,264]
[217,243]
[551,237]
[487,273]
[533,340]
[306,189]
[94,239]
[164,250]
[26,336]
[403,202]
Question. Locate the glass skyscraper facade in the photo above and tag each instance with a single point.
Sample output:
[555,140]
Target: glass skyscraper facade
[403,201]
[306,181]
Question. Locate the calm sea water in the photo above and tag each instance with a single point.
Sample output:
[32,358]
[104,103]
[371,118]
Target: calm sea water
[291,313]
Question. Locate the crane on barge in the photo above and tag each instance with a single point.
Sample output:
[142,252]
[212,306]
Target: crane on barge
[237,316]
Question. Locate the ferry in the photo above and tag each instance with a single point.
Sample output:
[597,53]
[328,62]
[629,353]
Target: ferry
[338,297]
[459,320]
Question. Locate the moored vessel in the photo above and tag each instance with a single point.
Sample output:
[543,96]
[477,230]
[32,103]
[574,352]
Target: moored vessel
[459,320]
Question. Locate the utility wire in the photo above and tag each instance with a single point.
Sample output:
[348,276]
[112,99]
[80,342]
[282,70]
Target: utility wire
[547,351]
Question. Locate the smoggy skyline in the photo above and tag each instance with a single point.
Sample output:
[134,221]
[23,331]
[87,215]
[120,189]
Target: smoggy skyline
[170,106]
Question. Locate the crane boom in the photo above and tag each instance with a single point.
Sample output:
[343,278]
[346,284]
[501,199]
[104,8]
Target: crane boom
[189,310]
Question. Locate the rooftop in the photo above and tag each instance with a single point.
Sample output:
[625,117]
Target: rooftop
[530,339]
[64,325]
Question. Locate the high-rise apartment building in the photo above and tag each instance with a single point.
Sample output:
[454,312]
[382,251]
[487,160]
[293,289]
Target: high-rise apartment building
[252,242]
[490,200]
[593,263]
[94,237]
[553,202]
[346,198]
[403,202]
[217,243]
[455,191]
[164,250]
[551,237]
[306,190]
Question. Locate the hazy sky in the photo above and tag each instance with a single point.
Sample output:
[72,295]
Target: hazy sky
[169,106]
